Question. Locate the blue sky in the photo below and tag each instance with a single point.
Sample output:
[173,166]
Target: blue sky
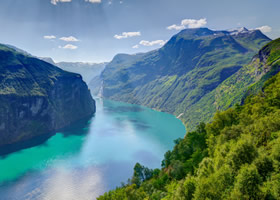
[96,30]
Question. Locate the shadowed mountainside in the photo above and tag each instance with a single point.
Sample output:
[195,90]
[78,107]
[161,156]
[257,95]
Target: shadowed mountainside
[37,97]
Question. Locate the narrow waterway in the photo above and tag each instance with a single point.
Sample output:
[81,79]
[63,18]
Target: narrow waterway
[88,159]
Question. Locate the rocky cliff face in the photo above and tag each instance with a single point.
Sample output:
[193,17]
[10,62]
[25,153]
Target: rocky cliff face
[37,97]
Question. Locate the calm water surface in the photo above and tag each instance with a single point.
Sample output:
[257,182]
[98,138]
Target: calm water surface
[88,159]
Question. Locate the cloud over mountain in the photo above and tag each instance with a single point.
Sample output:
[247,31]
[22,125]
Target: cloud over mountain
[265,29]
[188,23]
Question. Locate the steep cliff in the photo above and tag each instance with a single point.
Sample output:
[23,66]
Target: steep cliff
[37,97]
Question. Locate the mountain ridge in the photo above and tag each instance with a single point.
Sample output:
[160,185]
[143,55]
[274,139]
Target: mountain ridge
[188,67]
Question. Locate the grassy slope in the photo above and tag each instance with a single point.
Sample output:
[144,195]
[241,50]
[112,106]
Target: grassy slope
[248,80]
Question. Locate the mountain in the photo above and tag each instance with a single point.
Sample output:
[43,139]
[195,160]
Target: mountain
[87,70]
[18,49]
[176,77]
[247,81]
[96,84]
[48,60]
[236,156]
[37,97]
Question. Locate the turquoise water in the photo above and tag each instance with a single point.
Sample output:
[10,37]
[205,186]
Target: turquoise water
[92,157]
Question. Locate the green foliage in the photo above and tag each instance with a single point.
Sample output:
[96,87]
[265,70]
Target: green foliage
[264,165]
[243,152]
[247,184]
[237,156]
[188,188]
[141,174]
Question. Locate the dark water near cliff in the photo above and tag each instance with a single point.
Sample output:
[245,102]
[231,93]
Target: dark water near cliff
[90,158]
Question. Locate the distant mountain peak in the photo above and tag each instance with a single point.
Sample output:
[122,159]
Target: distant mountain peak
[244,29]
[47,59]
[240,30]
[196,32]
[200,32]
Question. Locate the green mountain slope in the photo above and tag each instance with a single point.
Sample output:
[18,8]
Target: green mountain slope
[237,156]
[37,97]
[248,80]
[177,76]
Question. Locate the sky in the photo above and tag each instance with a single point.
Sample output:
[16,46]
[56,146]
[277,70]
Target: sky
[97,30]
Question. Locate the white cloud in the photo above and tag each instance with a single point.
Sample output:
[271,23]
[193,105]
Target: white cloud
[192,23]
[127,35]
[188,23]
[69,39]
[94,1]
[135,46]
[152,43]
[265,29]
[49,37]
[54,2]
[176,27]
[69,46]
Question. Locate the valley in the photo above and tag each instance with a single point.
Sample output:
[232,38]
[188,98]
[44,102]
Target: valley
[139,100]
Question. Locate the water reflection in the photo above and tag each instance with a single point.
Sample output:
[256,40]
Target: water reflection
[90,157]
[78,128]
